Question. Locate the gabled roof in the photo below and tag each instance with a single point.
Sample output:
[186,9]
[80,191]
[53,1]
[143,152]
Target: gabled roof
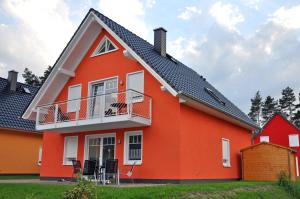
[180,77]
[271,118]
[268,143]
[13,104]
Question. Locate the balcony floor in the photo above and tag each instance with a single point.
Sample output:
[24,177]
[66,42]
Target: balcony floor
[103,123]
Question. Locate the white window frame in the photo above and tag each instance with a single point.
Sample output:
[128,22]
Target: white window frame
[290,141]
[228,152]
[87,137]
[126,147]
[65,162]
[100,44]
[264,138]
[140,99]
[78,101]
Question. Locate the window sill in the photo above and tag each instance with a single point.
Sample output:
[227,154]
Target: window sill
[226,166]
[137,163]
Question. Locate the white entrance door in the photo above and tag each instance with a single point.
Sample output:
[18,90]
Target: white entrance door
[97,100]
[100,148]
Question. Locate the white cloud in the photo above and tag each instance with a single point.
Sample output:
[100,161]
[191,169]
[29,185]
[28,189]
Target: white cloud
[252,3]
[39,34]
[238,66]
[150,3]
[128,13]
[287,17]
[226,15]
[189,12]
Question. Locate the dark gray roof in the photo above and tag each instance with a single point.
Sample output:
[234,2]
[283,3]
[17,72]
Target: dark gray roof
[13,104]
[180,77]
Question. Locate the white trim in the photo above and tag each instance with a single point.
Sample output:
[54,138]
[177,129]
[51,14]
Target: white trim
[103,135]
[65,139]
[126,146]
[40,155]
[140,60]
[66,72]
[94,54]
[229,156]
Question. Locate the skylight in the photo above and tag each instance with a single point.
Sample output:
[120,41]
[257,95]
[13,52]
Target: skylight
[105,46]
[26,90]
[212,94]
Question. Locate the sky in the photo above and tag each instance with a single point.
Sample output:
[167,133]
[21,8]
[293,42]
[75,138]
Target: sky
[239,46]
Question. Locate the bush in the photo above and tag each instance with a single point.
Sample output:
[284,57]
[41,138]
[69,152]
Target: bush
[83,190]
[290,187]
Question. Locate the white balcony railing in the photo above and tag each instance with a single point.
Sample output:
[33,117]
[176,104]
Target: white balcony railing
[125,108]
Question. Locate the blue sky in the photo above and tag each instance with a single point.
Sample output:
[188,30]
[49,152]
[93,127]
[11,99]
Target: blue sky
[239,46]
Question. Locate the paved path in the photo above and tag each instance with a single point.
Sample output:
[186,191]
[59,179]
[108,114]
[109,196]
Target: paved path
[38,181]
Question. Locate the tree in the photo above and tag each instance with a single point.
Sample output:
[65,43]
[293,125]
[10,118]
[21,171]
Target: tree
[34,80]
[296,119]
[31,78]
[287,102]
[255,109]
[269,107]
[46,74]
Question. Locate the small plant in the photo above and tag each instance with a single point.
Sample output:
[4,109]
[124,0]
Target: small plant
[283,179]
[85,189]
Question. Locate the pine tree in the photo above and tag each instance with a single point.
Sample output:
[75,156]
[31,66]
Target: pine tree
[255,109]
[31,78]
[269,107]
[296,118]
[34,80]
[46,74]
[287,102]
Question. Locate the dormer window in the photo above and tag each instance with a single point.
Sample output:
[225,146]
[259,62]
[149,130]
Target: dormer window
[105,46]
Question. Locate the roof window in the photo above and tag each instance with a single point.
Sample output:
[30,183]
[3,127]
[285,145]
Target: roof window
[212,94]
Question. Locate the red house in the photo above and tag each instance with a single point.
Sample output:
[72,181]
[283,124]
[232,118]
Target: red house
[279,130]
[112,94]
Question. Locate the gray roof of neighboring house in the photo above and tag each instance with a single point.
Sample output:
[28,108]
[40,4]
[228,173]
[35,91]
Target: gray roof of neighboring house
[13,104]
[180,77]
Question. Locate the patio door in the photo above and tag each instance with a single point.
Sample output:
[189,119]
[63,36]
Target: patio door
[100,148]
[103,94]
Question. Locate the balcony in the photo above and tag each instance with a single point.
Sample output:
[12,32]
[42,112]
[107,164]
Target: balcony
[108,111]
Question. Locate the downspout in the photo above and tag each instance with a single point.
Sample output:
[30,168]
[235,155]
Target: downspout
[290,169]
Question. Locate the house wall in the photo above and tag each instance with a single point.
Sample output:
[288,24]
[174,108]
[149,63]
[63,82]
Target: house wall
[19,152]
[264,162]
[160,141]
[278,130]
[201,145]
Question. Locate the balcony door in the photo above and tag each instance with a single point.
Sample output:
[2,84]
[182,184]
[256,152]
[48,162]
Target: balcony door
[100,148]
[103,94]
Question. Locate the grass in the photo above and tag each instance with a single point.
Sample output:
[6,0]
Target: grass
[15,177]
[234,190]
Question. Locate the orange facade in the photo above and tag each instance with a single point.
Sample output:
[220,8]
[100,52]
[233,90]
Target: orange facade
[181,143]
[19,152]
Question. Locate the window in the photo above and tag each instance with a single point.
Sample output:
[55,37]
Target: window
[105,46]
[294,140]
[70,149]
[226,152]
[264,138]
[133,147]
[135,82]
[74,96]
[213,95]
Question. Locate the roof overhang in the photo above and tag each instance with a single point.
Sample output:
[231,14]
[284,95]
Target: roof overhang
[65,66]
[207,108]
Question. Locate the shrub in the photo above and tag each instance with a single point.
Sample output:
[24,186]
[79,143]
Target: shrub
[290,187]
[83,190]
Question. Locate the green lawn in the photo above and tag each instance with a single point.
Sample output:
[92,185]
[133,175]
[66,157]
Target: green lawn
[13,177]
[240,190]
